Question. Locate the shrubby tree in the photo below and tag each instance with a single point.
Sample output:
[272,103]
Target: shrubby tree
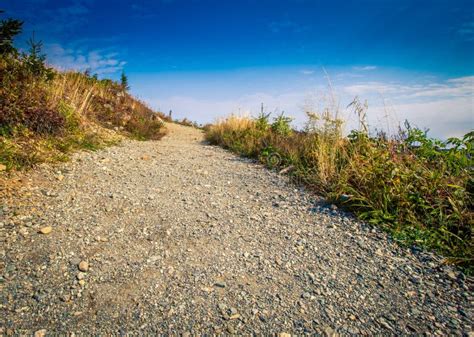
[35,60]
[124,82]
[9,28]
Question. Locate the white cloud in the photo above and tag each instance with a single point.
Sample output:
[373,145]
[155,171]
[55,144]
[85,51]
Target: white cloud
[444,118]
[208,110]
[307,72]
[367,88]
[97,61]
[445,107]
[466,31]
[456,87]
[365,68]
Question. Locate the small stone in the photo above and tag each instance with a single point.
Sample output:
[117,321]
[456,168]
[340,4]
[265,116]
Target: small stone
[40,333]
[452,275]
[80,276]
[284,334]
[328,331]
[220,284]
[145,157]
[3,167]
[46,230]
[83,266]
[234,316]
[23,231]
[231,329]
[60,177]
[352,317]
[75,261]
[82,283]
[222,307]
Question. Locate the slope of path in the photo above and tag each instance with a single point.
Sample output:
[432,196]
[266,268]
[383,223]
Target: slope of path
[184,237]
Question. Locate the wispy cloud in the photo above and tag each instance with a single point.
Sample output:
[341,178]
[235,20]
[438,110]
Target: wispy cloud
[365,68]
[466,31]
[97,61]
[307,72]
[451,117]
[456,87]
[444,107]
[63,19]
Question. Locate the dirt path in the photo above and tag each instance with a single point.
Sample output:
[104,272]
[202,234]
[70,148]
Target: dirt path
[184,237]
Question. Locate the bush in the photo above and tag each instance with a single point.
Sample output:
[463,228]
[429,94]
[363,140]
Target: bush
[417,188]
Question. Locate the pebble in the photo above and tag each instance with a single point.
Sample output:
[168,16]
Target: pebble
[83,266]
[46,230]
[220,284]
[40,333]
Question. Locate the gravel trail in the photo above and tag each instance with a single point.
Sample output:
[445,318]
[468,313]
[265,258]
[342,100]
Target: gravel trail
[177,236]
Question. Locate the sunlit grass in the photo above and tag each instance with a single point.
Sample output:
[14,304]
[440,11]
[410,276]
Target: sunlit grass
[48,114]
[417,188]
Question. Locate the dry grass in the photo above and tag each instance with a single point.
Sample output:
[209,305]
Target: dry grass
[421,193]
[44,118]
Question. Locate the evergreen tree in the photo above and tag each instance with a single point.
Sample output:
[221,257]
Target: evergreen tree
[9,28]
[124,82]
[36,60]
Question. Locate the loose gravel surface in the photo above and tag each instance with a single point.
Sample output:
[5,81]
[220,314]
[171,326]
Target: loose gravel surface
[177,236]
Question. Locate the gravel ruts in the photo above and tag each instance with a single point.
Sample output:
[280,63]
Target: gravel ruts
[177,236]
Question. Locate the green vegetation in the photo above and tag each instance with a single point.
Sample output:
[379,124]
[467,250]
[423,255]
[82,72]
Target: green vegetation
[45,114]
[417,188]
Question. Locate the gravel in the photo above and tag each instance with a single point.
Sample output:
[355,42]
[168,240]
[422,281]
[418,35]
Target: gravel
[179,236]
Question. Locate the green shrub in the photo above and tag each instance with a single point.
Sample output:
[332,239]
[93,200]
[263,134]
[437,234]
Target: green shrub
[419,189]
[282,125]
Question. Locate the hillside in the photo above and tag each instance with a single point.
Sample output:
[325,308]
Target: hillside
[45,113]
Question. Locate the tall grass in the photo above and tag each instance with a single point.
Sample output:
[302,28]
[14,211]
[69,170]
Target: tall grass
[417,188]
[44,114]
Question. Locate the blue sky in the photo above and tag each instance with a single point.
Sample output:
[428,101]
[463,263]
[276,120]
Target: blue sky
[205,59]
